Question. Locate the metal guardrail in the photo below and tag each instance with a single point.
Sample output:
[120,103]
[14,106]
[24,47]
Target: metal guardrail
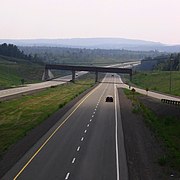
[177,103]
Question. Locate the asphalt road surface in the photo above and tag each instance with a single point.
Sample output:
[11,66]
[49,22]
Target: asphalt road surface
[86,144]
[37,86]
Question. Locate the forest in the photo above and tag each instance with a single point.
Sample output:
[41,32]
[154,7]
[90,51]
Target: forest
[60,55]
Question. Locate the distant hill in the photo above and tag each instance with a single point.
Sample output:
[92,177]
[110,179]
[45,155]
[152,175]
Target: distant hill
[96,43]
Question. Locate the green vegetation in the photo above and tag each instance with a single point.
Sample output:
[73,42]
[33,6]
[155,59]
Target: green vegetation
[158,81]
[166,128]
[13,70]
[84,56]
[168,63]
[17,117]
[11,50]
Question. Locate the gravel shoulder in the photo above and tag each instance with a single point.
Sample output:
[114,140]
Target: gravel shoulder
[142,148]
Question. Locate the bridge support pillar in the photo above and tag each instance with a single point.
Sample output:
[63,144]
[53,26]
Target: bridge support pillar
[73,75]
[46,76]
[96,78]
[130,77]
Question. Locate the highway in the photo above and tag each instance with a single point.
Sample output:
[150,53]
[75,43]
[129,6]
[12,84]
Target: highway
[5,94]
[37,86]
[87,143]
[27,88]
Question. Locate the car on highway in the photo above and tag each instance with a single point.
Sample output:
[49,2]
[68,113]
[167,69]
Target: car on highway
[109,99]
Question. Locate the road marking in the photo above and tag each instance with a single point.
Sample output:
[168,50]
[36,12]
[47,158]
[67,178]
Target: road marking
[67,175]
[90,120]
[116,135]
[92,116]
[94,112]
[48,139]
[85,131]
[95,109]
[78,148]
[82,138]
[73,160]
[88,125]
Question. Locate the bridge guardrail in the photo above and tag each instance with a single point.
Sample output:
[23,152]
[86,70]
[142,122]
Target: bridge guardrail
[177,103]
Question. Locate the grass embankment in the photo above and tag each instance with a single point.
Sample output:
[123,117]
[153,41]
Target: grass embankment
[12,70]
[17,117]
[158,81]
[167,129]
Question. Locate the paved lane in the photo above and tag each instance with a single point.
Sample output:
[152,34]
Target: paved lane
[37,86]
[85,144]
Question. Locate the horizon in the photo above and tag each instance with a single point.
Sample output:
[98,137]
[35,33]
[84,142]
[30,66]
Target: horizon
[69,38]
[135,39]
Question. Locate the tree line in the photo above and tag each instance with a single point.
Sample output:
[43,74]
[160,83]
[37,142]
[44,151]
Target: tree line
[168,62]
[12,50]
[65,55]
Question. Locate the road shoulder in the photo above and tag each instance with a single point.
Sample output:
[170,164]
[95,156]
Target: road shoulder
[142,148]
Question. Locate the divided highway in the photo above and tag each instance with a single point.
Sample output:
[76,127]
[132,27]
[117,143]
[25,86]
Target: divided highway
[13,92]
[86,144]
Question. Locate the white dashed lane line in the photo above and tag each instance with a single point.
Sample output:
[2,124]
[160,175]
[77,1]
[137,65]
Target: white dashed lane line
[78,148]
[82,138]
[85,131]
[92,116]
[73,160]
[88,125]
[90,120]
[67,175]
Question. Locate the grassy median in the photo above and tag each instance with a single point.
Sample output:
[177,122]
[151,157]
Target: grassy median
[19,116]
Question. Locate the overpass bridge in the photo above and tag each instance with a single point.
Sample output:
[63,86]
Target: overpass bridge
[95,69]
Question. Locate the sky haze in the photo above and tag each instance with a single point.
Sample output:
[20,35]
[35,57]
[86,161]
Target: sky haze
[155,20]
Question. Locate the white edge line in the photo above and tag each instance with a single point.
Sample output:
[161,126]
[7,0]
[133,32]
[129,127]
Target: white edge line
[116,137]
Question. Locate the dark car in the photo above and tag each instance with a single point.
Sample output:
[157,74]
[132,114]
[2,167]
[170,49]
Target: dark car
[109,99]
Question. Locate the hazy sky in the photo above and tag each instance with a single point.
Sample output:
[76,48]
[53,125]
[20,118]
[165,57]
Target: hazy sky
[156,20]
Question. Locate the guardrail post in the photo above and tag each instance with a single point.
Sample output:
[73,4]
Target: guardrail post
[130,76]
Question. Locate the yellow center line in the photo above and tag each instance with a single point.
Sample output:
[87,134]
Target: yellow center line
[47,140]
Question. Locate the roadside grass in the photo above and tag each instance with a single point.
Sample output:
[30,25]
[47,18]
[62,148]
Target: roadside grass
[158,81]
[167,129]
[12,70]
[18,117]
